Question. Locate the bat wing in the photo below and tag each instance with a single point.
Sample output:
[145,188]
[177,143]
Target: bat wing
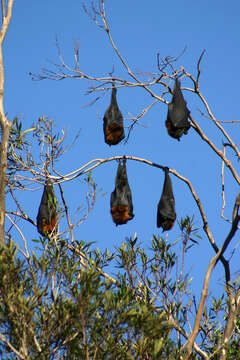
[166,210]
[121,197]
[47,213]
[178,115]
[166,215]
[113,122]
[177,118]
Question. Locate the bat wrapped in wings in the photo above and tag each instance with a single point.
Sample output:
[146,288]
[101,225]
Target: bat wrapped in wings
[113,121]
[121,197]
[47,219]
[166,215]
[177,122]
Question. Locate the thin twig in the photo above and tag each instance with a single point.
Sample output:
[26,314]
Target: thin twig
[16,352]
[70,226]
[82,256]
[3,9]
[143,113]
[223,190]
[206,227]
[23,215]
[215,149]
[199,69]
[23,237]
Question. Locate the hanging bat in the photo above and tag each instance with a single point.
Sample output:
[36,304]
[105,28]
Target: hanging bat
[113,121]
[47,220]
[177,122]
[121,198]
[166,215]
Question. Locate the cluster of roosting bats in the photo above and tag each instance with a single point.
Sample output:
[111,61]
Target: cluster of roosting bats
[121,205]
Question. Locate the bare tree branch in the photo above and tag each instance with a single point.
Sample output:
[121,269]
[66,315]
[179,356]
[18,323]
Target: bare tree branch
[3,9]
[213,262]
[199,69]
[70,226]
[184,333]
[4,123]
[215,149]
[233,311]
[23,237]
[16,352]
[143,113]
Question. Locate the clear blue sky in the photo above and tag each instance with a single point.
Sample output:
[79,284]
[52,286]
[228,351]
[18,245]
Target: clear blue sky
[140,29]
